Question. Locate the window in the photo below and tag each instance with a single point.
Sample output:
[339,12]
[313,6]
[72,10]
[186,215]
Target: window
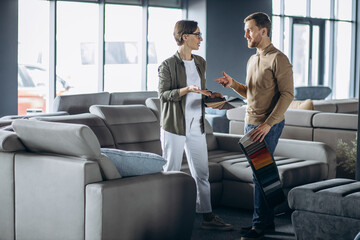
[91,46]
[317,36]
[161,44]
[77,45]
[123,34]
[33,56]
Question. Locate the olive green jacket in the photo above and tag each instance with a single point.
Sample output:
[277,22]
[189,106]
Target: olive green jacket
[172,77]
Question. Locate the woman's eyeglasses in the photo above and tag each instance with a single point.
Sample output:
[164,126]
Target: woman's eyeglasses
[198,34]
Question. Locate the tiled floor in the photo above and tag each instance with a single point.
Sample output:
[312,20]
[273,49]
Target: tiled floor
[237,217]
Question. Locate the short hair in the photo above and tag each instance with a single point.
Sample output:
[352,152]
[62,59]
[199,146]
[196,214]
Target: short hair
[262,20]
[184,27]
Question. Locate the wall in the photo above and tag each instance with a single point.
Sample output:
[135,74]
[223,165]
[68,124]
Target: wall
[226,48]
[8,57]
[197,12]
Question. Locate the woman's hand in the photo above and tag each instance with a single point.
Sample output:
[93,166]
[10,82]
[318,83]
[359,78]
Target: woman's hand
[194,88]
[226,80]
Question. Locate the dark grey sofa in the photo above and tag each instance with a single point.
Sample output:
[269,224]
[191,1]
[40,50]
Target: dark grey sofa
[326,210]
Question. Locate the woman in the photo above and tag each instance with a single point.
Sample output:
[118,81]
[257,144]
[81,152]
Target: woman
[182,92]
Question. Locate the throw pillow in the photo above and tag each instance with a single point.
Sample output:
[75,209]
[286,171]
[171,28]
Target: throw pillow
[133,163]
[304,105]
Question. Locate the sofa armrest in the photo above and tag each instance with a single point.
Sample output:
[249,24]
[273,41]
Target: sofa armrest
[308,150]
[156,206]
[50,195]
[228,142]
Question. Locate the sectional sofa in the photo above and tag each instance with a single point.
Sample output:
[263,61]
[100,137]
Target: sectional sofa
[309,125]
[132,128]
[136,127]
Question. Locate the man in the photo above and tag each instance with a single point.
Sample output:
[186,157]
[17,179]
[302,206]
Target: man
[269,89]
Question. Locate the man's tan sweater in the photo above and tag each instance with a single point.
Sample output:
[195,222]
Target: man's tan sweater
[269,86]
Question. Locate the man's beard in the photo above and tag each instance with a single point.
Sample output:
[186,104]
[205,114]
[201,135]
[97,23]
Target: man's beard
[253,44]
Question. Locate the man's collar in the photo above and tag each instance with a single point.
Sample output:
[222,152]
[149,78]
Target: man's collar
[265,50]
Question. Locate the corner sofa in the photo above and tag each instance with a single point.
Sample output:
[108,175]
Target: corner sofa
[56,184]
[136,128]
[308,125]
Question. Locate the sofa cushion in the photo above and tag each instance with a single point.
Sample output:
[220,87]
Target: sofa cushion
[154,104]
[304,105]
[237,113]
[96,124]
[292,171]
[127,98]
[9,142]
[215,171]
[5,123]
[303,118]
[311,92]
[79,103]
[339,197]
[336,120]
[297,133]
[60,138]
[65,139]
[219,156]
[133,163]
[325,106]
[13,117]
[134,127]
[347,105]
[332,136]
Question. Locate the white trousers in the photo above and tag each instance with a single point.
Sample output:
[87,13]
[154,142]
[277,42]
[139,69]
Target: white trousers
[197,156]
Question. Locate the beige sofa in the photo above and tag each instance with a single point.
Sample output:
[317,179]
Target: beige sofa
[309,125]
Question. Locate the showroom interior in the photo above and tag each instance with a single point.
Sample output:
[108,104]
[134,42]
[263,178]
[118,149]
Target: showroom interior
[109,51]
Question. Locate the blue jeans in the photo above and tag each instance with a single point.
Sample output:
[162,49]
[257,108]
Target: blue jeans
[264,216]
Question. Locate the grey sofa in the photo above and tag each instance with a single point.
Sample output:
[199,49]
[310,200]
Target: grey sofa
[80,103]
[326,210]
[309,125]
[337,105]
[55,184]
[136,127]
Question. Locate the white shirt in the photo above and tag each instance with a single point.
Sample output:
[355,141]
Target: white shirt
[193,100]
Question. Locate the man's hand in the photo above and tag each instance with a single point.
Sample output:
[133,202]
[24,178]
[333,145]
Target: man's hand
[226,80]
[260,132]
[216,95]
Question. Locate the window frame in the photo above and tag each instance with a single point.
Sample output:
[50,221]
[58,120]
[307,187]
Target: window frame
[311,22]
[354,82]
